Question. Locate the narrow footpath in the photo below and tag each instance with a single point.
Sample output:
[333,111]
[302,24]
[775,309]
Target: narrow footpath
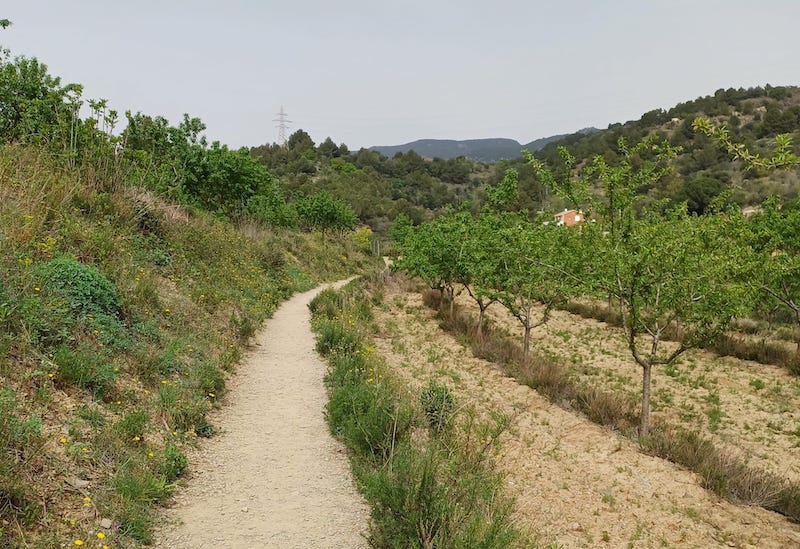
[274,477]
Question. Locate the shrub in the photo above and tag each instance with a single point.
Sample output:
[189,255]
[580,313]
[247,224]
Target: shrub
[84,288]
[85,368]
[132,424]
[424,491]
[437,403]
[325,304]
[367,416]
[207,378]
[173,463]
[332,336]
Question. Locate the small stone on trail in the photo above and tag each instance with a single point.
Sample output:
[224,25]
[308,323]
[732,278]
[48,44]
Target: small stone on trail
[105,523]
[244,509]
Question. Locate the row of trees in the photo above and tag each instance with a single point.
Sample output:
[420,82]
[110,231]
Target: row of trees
[668,273]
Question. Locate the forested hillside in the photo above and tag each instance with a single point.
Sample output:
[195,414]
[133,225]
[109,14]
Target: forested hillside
[480,150]
[701,169]
[379,188]
[376,187]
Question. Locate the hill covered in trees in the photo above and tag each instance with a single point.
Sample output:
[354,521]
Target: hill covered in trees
[421,184]
[701,170]
[480,150]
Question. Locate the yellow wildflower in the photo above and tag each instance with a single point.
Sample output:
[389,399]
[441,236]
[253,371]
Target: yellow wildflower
[100,535]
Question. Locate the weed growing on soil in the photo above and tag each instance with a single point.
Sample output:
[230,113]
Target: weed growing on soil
[427,488]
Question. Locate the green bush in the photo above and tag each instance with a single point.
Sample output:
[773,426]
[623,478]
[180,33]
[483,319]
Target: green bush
[173,463]
[85,368]
[368,417]
[437,403]
[133,424]
[431,497]
[207,378]
[84,288]
[325,304]
[332,336]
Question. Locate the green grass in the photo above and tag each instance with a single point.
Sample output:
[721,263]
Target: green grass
[427,488]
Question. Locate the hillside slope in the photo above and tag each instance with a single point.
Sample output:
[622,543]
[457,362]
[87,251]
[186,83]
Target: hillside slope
[480,150]
[702,170]
[122,315]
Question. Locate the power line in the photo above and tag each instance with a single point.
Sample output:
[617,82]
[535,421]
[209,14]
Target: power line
[282,126]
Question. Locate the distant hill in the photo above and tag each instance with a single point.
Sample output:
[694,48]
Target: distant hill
[702,170]
[481,150]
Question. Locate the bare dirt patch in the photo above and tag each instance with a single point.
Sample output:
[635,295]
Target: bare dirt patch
[576,483]
[274,477]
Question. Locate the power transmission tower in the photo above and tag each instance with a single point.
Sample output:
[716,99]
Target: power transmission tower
[282,126]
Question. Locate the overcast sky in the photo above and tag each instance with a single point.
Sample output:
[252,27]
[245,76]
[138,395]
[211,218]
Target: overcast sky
[384,73]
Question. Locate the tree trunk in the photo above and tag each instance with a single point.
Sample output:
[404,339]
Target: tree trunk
[644,428]
[452,301]
[479,329]
[526,344]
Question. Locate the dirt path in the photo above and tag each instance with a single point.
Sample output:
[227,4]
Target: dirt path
[274,477]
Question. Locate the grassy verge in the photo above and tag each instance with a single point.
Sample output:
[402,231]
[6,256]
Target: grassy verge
[121,316]
[426,474]
[725,474]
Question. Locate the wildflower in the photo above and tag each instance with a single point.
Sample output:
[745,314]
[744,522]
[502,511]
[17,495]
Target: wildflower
[63,440]
[150,454]
[72,522]
[78,542]
[50,375]
[100,535]
[37,289]
[212,395]
[136,438]
[84,449]
[163,382]
[87,500]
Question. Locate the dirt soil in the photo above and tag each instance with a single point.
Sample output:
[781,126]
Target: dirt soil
[274,477]
[750,409]
[577,484]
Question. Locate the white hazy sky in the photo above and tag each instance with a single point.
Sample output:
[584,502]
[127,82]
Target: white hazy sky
[383,73]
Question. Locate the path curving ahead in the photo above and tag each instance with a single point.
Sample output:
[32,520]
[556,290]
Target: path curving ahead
[274,477]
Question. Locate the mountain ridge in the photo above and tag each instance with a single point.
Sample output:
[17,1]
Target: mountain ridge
[482,150]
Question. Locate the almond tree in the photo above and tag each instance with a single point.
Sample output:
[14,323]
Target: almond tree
[677,274]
